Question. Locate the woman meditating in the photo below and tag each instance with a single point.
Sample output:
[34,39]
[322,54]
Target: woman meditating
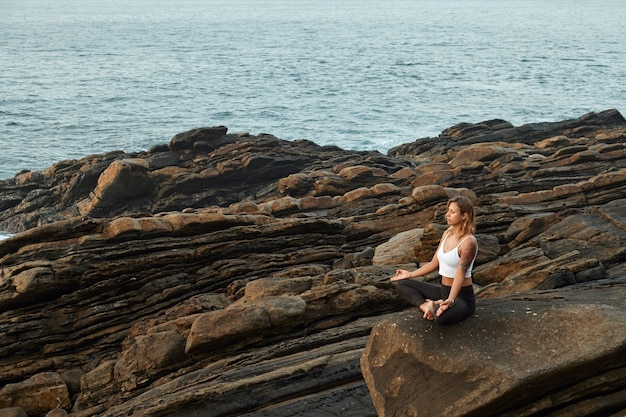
[453,300]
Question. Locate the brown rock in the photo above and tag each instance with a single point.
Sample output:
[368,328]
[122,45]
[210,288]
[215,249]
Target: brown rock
[359,171]
[13,412]
[244,323]
[429,194]
[58,412]
[270,287]
[122,180]
[515,357]
[358,194]
[479,152]
[213,137]
[37,394]
[147,357]
[263,255]
[400,249]
[98,386]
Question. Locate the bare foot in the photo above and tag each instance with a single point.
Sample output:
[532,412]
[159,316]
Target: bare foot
[429,309]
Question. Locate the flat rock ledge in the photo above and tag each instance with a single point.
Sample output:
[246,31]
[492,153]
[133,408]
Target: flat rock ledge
[230,274]
[551,353]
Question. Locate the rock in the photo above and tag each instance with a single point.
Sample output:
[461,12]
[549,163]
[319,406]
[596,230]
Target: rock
[244,323]
[98,386]
[429,194]
[36,395]
[517,356]
[243,274]
[527,227]
[481,153]
[595,236]
[122,180]
[210,137]
[269,287]
[13,412]
[400,249]
[148,356]
[58,412]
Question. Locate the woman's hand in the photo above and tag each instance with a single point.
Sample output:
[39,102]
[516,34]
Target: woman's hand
[444,305]
[400,275]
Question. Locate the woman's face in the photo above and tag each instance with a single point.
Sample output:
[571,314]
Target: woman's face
[454,215]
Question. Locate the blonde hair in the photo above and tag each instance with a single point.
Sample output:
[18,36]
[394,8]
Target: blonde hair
[468,226]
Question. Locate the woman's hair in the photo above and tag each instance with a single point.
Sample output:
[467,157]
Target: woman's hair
[468,226]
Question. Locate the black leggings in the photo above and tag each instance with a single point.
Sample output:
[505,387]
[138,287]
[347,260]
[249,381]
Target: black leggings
[417,292]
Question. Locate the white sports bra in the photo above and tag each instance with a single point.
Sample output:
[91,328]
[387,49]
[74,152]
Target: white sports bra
[449,261]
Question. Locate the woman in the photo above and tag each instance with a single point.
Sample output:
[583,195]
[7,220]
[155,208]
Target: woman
[453,300]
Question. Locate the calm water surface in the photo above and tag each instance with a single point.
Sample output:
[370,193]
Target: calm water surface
[83,77]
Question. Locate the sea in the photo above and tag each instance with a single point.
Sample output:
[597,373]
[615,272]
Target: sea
[80,77]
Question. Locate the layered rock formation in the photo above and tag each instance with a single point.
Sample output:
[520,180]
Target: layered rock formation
[232,274]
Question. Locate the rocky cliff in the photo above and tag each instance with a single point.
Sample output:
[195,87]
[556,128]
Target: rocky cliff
[232,274]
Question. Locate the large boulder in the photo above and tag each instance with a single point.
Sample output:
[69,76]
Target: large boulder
[545,353]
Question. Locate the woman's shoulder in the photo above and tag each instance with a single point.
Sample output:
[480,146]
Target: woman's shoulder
[468,242]
[469,237]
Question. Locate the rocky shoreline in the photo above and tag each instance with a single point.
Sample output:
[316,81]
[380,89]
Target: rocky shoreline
[232,274]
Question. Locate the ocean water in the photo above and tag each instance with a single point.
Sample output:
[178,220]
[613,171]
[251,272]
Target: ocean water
[79,77]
